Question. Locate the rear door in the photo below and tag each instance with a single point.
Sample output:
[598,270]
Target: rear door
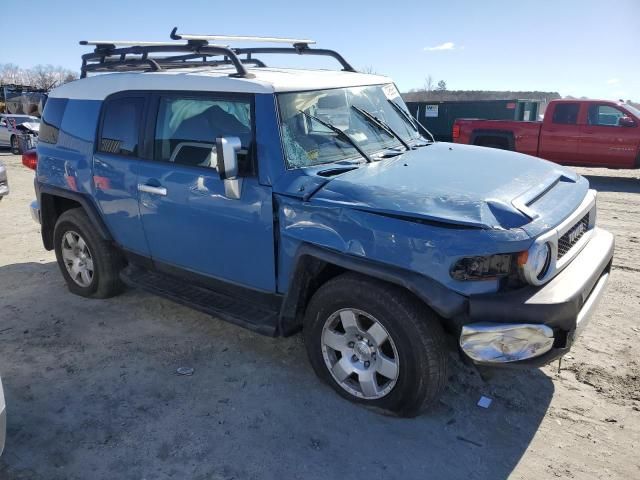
[605,141]
[116,162]
[191,222]
[560,135]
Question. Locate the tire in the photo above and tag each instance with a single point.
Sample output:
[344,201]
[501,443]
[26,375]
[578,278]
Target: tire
[415,344]
[15,149]
[102,279]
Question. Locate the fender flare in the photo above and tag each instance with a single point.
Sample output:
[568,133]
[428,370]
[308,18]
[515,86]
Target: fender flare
[310,260]
[48,215]
[504,134]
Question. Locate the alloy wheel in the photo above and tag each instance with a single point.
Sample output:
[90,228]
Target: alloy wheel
[360,354]
[77,258]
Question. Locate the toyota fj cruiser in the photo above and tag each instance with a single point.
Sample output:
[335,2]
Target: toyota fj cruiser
[286,200]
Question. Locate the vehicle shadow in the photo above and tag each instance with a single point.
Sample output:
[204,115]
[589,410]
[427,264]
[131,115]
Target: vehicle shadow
[92,392]
[606,183]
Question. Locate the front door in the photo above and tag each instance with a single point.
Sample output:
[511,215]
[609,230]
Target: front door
[606,140]
[559,137]
[189,220]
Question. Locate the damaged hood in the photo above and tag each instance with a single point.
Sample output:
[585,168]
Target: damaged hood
[457,184]
[29,126]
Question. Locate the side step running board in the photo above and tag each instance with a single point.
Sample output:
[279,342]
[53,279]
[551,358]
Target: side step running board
[219,305]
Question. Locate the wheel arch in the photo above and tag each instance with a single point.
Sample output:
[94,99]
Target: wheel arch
[315,265]
[504,137]
[55,201]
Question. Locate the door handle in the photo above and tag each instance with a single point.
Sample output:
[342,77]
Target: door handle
[151,189]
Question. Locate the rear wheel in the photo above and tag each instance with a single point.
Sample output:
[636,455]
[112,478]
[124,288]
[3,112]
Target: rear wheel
[90,265]
[376,344]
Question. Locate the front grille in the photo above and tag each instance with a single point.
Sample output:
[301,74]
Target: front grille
[571,237]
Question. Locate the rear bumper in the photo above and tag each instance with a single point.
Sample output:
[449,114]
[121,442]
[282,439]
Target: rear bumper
[565,304]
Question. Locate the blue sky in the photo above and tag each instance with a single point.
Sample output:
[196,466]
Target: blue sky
[575,47]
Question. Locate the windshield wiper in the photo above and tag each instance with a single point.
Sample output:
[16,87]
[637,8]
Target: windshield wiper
[381,125]
[340,133]
[413,122]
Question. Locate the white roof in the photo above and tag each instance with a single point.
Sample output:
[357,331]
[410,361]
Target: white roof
[266,80]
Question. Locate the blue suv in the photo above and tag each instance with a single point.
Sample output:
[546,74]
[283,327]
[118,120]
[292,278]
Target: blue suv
[286,200]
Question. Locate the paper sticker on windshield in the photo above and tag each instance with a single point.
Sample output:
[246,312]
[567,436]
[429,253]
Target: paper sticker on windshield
[390,91]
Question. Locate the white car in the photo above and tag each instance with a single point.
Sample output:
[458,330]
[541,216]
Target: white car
[13,125]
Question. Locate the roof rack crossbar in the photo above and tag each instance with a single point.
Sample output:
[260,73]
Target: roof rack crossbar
[237,38]
[133,65]
[299,50]
[103,51]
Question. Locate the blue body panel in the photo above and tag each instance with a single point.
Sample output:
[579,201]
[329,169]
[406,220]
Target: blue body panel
[68,163]
[270,158]
[197,228]
[457,184]
[427,249]
[116,192]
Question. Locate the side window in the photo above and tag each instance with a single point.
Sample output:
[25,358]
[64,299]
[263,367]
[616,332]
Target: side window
[605,115]
[187,128]
[121,126]
[566,113]
[51,120]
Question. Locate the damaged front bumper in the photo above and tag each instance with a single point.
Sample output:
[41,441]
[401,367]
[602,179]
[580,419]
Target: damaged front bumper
[534,325]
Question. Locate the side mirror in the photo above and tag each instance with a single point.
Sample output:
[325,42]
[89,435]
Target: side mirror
[227,152]
[626,122]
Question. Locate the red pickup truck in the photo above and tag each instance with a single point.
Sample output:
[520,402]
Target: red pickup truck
[574,132]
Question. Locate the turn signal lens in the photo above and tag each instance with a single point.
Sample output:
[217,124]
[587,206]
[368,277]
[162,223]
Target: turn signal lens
[522,258]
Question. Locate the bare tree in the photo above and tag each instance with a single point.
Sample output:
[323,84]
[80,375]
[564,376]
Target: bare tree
[10,73]
[48,77]
[45,77]
[428,83]
[442,86]
[369,69]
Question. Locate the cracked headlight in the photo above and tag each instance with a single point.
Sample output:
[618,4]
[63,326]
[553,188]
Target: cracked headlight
[482,267]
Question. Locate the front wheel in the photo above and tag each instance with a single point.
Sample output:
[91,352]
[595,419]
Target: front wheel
[376,344]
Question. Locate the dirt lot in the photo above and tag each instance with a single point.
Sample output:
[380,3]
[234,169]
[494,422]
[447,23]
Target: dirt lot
[92,392]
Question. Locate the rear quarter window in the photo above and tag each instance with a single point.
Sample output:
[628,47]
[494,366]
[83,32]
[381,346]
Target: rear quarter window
[52,120]
[120,134]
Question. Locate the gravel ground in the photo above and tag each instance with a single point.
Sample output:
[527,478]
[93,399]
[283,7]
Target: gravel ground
[92,392]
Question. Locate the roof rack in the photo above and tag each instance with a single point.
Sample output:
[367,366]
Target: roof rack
[110,56]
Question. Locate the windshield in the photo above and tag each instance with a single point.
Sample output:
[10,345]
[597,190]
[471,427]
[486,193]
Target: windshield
[632,109]
[21,120]
[312,124]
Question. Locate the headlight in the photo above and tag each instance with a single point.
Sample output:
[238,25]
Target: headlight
[535,262]
[482,268]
